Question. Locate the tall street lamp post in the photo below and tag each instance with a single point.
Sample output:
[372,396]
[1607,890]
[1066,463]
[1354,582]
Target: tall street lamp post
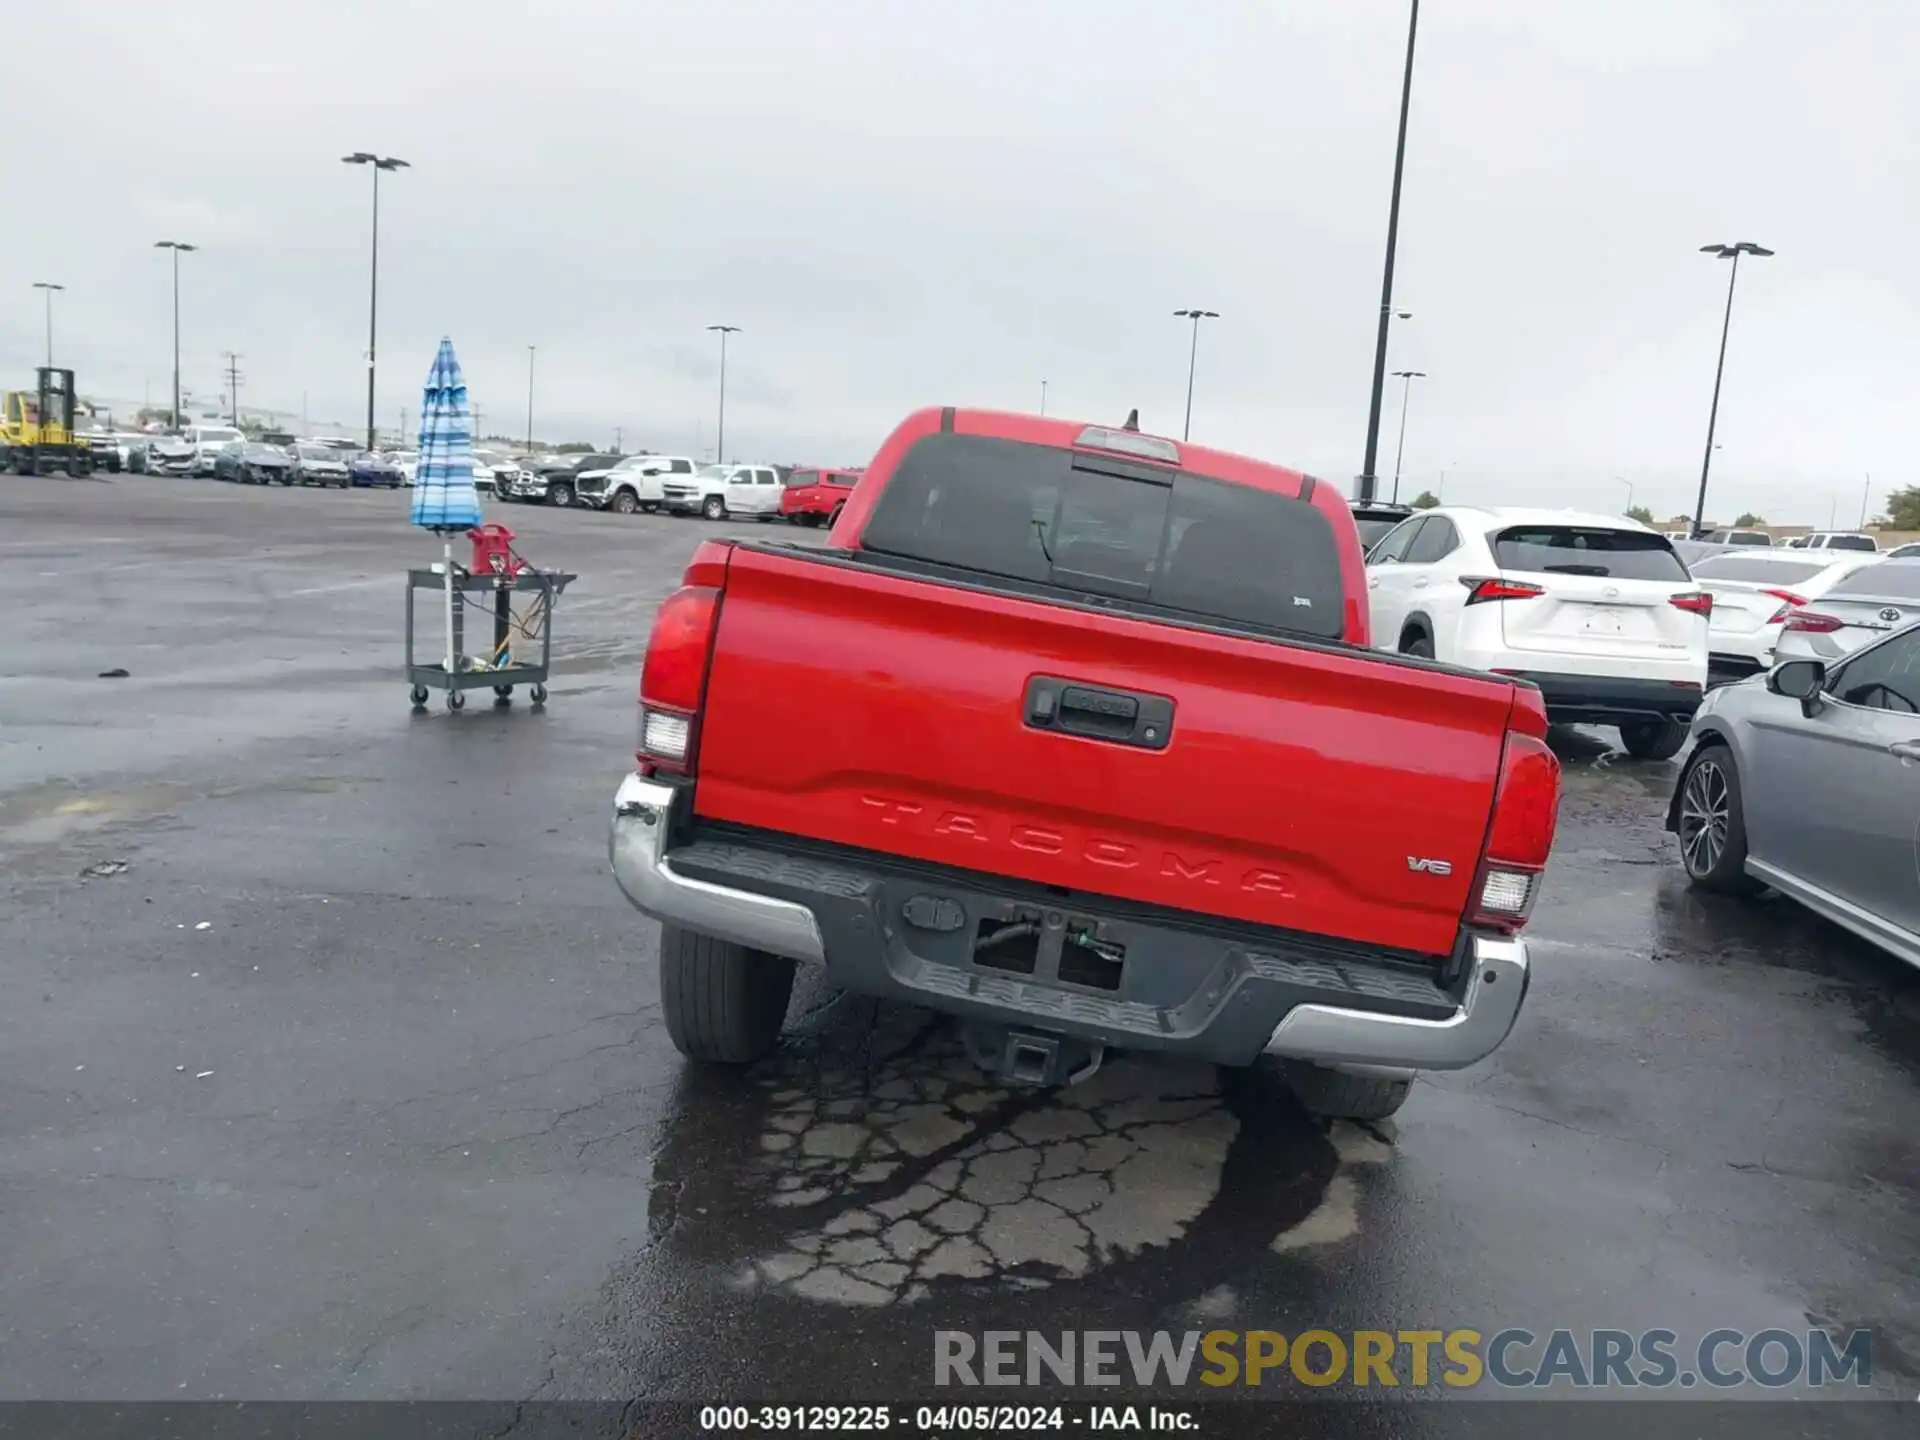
[48,287]
[379,163]
[1406,393]
[1368,483]
[1731,252]
[1193,356]
[177,247]
[720,443]
[529,399]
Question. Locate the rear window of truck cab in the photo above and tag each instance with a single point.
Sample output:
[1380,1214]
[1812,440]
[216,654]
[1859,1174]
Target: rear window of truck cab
[1084,523]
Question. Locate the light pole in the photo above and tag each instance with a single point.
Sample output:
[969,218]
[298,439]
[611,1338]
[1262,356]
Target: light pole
[1367,480]
[49,287]
[177,247]
[1043,397]
[1193,356]
[529,399]
[1622,480]
[1406,393]
[1866,496]
[720,444]
[379,163]
[1731,252]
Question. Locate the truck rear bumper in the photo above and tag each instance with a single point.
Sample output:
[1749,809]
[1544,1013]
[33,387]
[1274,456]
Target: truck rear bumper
[953,942]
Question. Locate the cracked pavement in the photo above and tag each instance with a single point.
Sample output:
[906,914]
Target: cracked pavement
[401,1120]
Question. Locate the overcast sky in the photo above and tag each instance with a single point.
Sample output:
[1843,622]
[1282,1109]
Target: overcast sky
[933,202]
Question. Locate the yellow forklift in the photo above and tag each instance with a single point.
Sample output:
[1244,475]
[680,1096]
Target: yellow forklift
[36,428]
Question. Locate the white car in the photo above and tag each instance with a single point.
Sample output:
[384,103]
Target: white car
[702,493]
[206,441]
[1858,608]
[637,483]
[1753,594]
[754,490]
[1596,611]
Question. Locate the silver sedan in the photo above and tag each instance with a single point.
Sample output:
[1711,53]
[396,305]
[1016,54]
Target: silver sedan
[1807,779]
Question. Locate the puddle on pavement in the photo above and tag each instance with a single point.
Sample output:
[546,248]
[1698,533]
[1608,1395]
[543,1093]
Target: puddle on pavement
[51,815]
[895,1172]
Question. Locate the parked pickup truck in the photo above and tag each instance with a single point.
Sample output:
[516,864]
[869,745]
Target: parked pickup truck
[1097,757]
[816,497]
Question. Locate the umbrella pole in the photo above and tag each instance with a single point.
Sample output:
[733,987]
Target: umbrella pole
[447,571]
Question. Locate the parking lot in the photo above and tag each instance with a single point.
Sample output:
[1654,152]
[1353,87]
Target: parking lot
[342,1075]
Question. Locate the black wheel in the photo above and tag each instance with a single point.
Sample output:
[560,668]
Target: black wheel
[834,518]
[504,692]
[1654,739]
[561,494]
[714,508]
[1418,645]
[419,696]
[721,1001]
[538,694]
[651,508]
[1712,824]
[456,700]
[626,502]
[1340,1096]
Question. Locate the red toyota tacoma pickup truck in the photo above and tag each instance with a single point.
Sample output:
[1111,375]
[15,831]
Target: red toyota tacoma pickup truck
[1097,757]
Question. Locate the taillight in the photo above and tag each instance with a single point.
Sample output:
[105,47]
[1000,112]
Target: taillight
[673,677]
[1812,622]
[1694,602]
[1788,603]
[1526,807]
[1491,587]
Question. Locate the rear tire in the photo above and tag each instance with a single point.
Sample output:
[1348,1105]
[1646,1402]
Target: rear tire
[1712,824]
[722,1002]
[834,518]
[1340,1096]
[1654,739]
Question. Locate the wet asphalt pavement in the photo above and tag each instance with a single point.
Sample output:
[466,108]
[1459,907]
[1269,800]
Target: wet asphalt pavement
[353,1084]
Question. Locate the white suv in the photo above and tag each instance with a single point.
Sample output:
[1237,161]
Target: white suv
[1597,611]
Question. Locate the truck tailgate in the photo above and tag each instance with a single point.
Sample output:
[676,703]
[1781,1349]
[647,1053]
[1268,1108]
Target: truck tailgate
[1317,790]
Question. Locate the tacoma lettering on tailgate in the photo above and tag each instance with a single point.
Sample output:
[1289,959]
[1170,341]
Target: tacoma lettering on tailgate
[1193,867]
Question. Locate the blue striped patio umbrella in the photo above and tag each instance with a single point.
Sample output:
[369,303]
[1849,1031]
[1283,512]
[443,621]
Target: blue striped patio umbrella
[444,500]
[443,495]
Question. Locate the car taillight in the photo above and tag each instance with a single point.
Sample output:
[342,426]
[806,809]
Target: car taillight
[1812,622]
[1526,808]
[1694,602]
[1491,587]
[673,677]
[1788,602]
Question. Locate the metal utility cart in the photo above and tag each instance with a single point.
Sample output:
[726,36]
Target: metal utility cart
[503,667]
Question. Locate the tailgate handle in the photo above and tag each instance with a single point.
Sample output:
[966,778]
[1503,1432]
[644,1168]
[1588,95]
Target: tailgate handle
[1095,712]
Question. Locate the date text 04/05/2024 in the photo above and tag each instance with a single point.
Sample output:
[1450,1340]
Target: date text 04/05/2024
[941,1419]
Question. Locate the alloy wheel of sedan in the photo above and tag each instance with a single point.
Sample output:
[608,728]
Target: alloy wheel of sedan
[1706,811]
